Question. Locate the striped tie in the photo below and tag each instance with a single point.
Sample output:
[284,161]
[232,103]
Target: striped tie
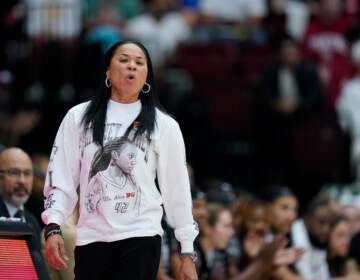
[19,214]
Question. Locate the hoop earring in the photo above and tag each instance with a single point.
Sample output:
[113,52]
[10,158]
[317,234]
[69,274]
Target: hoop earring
[107,82]
[148,88]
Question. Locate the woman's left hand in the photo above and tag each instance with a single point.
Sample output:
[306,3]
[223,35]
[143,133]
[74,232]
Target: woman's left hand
[187,269]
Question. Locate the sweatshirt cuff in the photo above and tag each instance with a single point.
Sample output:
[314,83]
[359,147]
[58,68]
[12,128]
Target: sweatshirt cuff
[187,247]
[50,216]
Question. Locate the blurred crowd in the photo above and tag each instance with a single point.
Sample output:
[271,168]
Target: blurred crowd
[267,235]
[268,83]
[265,92]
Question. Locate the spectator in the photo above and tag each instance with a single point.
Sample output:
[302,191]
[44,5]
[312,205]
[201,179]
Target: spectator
[340,264]
[124,9]
[347,111]
[212,257]
[311,232]
[292,91]
[200,212]
[220,192]
[48,20]
[290,16]
[16,179]
[253,230]
[283,206]
[354,251]
[325,44]
[325,34]
[239,19]
[105,28]
[160,29]
[352,213]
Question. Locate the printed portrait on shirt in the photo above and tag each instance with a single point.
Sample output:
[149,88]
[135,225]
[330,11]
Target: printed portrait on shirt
[111,178]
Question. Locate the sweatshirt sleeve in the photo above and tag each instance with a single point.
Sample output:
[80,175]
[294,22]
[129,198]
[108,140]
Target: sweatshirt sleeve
[62,178]
[175,186]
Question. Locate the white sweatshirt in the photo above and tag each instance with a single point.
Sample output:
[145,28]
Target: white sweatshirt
[312,265]
[118,195]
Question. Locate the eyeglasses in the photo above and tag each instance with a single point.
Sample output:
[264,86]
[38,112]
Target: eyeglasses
[16,173]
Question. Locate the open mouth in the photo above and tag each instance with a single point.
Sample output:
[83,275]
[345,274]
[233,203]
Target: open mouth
[130,77]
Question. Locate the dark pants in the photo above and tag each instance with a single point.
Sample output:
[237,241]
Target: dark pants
[134,258]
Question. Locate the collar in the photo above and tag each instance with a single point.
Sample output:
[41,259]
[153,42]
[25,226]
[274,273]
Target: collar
[12,209]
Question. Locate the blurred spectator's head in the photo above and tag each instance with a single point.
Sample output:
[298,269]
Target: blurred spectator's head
[254,216]
[237,208]
[16,176]
[339,239]
[220,192]
[283,206]
[318,219]
[352,213]
[160,7]
[41,162]
[220,225]
[199,208]
[331,9]
[287,49]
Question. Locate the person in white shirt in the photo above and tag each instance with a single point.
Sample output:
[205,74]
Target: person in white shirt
[91,152]
[161,29]
[311,232]
[347,108]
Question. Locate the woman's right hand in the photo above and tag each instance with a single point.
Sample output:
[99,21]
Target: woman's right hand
[55,252]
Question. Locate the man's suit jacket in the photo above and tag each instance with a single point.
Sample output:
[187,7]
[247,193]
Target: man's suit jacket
[33,241]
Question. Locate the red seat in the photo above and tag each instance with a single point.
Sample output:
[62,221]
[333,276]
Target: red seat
[230,107]
[320,147]
[208,60]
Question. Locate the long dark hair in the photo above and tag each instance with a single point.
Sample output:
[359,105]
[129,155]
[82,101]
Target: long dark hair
[95,114]
[103,156]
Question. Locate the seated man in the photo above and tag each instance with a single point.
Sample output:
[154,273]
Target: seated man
[16,180]
[311,233]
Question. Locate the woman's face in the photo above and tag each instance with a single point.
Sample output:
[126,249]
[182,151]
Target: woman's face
[340,239]
[126,159]
[200,213]
[127,72]
[352,214]
[223,230]
[290,53]
[284,212]
[257,222]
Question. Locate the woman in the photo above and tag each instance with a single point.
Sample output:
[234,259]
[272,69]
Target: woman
[253,229]
[113,239]
[340,264]
[283,207]
[213,259]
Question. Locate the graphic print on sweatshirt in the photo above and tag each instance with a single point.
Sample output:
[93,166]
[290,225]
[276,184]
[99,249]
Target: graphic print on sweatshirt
[111,181]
